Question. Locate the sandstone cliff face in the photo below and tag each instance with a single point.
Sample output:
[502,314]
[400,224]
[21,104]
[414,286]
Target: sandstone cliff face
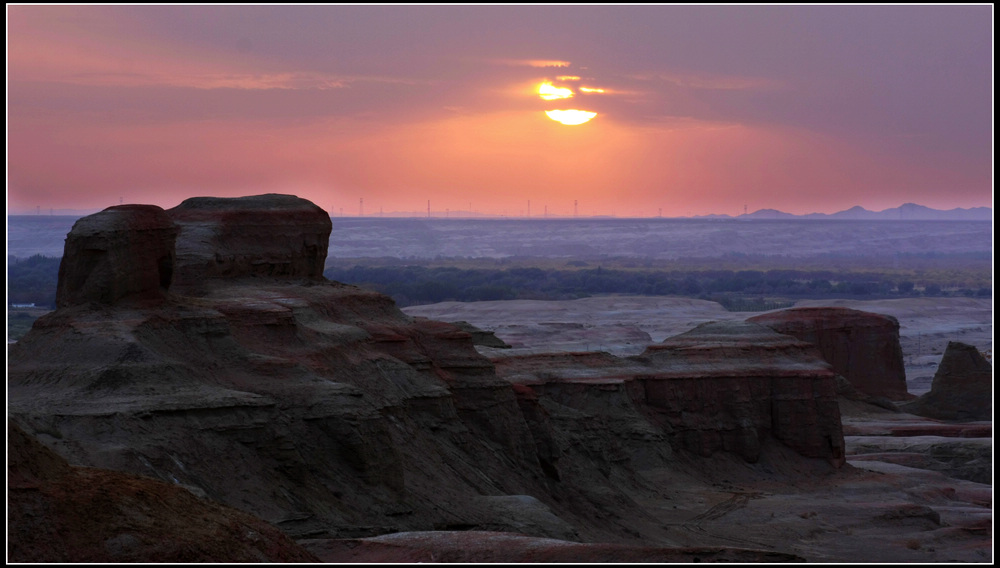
[263,235]
[762,383]
[122,254]
[962,388]
[861,346]
[720,387]
[326,411]
[319,407]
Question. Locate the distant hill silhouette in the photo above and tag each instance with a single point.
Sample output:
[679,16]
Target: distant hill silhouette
[905,212]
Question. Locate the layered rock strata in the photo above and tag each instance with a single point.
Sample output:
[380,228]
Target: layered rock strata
[122,254]
[861,346]
[723,386]
[319,407]
[323,409]
[263,235]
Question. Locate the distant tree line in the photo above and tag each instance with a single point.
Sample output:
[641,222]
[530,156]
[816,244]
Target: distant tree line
[411,285]
[34,280]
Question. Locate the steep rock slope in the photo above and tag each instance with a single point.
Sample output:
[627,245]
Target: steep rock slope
[723,386]
[315,405]
[60,513]
[260,235]
[122,254]
[862,346]
[323,409]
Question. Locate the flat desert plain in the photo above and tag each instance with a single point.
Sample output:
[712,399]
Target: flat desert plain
[624,325]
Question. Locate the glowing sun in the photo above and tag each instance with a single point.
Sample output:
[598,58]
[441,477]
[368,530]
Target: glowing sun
[570,117]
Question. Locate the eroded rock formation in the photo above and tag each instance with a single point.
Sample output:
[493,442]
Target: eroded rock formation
[122,254]
[723,386]
[861,346]
[263,235]
[765,383]
[962,388]
[317,406]
[324,410]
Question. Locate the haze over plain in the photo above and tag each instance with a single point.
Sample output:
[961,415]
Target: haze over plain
[362,109]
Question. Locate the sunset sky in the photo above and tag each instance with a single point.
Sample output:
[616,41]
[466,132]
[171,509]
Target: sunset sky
[704,109]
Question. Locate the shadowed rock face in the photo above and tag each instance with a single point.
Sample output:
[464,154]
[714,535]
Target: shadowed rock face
[315,405]
[721,387]
[734,382]
[124,253]
[61,513]
[323,409]
[961,389]
[861,346]
[269,235]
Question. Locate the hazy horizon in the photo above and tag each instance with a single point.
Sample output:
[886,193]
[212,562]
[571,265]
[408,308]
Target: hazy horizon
[696,110]
[473,215]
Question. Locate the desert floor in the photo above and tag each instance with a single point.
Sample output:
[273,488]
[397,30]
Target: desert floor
[624,325]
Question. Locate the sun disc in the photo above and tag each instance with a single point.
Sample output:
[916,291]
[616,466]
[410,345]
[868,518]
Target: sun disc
[571,117]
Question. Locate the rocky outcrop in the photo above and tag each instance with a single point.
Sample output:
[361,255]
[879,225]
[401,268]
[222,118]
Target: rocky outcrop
[721,387]
[57,513]
[122,254]
[847,392]
[861,346]
[482,337]
[299,389]
[324,410]
[316,406]
[962,389]
[959,458]
[762,383]
[269,235]
[136,252]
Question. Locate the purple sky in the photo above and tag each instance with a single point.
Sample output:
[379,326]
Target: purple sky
[704,109]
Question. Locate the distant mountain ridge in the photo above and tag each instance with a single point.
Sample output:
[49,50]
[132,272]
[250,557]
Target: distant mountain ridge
[905,212]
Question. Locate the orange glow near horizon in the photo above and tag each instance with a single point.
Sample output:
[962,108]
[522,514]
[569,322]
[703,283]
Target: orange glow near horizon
[551,93]
[570,117]
[114,104]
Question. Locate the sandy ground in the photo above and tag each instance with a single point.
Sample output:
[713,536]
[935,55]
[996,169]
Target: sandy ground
[624,325]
